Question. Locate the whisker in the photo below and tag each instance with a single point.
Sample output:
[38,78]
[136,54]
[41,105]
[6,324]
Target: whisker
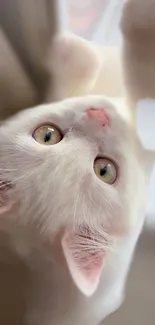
[25,175]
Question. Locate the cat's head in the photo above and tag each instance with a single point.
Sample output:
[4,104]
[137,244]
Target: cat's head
[72,167]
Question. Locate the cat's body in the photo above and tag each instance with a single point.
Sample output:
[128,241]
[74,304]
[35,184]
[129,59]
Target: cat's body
[47,191]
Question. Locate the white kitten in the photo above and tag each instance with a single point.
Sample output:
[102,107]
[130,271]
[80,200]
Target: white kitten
[73,182]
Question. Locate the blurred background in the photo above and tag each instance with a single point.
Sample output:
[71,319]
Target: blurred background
[95,20]
[98,21]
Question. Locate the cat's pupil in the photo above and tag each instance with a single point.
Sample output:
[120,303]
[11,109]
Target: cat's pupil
[103,171]
[47,136]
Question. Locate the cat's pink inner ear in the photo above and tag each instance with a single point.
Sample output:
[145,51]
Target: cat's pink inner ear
[85,263]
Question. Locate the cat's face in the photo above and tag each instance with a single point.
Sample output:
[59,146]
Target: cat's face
[72,166]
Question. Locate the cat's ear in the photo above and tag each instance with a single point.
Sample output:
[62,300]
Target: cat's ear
[84,262]
[74,65]
[6,201]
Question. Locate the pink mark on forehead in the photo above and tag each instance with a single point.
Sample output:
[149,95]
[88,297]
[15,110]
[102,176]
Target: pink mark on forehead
[99,115]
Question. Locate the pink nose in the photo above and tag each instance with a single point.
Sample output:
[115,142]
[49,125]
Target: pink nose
[99,115]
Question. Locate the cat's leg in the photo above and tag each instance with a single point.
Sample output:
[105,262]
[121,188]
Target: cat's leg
[74,64]
[138,27]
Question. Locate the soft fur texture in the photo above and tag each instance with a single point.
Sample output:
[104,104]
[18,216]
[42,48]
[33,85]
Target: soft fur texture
[46,190]
[74,67]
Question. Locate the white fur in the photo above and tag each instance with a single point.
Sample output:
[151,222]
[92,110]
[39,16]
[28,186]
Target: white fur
[75,66]
[55,187]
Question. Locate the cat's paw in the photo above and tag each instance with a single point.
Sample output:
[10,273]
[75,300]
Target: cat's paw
[138,19]
[74,55]
[74,64]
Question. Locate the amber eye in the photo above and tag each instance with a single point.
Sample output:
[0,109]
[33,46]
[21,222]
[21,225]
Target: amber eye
[105,170]
[47,135]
